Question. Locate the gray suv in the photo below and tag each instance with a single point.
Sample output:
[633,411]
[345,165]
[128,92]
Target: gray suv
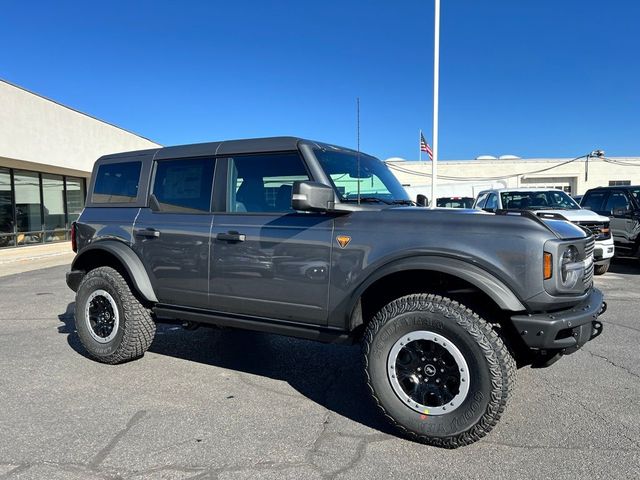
[301,238]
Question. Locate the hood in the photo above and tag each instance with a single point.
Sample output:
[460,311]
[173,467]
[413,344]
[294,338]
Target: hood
[581,215]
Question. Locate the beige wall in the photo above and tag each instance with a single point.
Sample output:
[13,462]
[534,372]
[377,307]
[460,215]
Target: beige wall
[39,134]
[600,173]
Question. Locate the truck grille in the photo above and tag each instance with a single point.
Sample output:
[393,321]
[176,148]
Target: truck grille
[599,229]
[588,253]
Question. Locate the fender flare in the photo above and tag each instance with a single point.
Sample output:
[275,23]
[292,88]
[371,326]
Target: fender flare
[483,280]
[129,260]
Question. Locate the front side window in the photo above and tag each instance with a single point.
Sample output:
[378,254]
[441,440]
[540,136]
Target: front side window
[617,201]
[117,183]
[184,186]
[263,183]
[354,174]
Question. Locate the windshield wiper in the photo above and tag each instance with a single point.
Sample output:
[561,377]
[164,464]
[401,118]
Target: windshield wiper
[368,200]
[405,202]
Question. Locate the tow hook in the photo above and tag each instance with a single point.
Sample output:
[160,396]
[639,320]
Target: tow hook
[603,308]
[596,328]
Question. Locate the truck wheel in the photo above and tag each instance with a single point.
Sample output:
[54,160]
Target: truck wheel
[601,269]
[437,371]
[112,324]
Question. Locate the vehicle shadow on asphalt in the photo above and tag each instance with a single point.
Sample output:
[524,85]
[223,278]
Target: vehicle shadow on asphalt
[626,265]
[330,375]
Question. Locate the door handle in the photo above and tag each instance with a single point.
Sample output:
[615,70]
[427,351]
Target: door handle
[147,232]
[231,237]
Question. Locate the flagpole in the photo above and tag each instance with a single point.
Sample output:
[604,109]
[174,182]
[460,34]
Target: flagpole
[436,68]
[419,144]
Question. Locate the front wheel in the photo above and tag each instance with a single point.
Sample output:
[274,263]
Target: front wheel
[438,372]
[601,269]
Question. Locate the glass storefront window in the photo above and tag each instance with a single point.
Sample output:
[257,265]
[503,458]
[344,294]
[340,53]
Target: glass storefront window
[28,207]
[7,238]
[53,203]
[75,198]
[38,207]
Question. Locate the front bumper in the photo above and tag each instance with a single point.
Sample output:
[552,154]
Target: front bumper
[565,330]
[604,250]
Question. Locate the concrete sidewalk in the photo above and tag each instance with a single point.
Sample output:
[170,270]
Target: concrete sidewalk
[34,257]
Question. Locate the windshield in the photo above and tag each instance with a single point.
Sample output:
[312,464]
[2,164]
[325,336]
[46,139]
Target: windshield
[538,200]
[374,178]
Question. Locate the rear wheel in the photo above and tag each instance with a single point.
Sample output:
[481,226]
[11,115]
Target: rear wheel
[111,322]
[438,372]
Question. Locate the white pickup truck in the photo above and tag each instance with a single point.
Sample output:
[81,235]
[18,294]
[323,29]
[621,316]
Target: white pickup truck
[550,201]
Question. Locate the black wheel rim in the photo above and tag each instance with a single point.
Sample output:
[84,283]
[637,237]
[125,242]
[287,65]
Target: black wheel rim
[428,373]
[102,316]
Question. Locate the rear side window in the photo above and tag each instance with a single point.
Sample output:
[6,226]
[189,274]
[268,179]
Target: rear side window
[593,201]
[117,183]
[184,186]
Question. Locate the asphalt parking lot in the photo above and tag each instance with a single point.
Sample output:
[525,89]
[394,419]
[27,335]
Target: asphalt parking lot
[228,404]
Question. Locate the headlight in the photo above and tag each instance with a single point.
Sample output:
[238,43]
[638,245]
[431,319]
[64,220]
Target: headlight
[571,270]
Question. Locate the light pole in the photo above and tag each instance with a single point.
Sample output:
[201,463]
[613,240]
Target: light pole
[436,68]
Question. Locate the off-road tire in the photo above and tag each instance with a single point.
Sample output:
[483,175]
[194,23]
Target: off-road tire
[492,369]
[601,269]
[136,327]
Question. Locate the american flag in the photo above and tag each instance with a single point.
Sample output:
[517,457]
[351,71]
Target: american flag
[424,147]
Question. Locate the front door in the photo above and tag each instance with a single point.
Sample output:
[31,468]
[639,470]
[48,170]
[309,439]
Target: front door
[618,208]
[173,236]
[268,260]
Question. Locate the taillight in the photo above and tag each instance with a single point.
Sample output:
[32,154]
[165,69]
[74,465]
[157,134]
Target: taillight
[74,244]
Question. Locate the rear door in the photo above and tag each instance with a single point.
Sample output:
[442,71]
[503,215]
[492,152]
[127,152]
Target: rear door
[173,237]
[267,259]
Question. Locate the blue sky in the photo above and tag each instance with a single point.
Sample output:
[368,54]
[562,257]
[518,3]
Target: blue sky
[531,78]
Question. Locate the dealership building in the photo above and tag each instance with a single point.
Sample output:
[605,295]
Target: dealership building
[47,151]
[468,177]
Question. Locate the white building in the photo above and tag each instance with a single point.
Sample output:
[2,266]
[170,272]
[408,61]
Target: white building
[468,177]
[47,151]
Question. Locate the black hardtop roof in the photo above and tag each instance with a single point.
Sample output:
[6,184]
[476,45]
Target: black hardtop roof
[226,147]
[614,187]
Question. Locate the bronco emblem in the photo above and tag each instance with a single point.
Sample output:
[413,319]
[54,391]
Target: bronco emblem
[343,240]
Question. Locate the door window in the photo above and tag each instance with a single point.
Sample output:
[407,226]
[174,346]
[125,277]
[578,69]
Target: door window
[184,186]
[263,183]
[617,200]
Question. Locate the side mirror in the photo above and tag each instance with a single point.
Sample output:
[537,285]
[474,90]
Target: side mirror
[422,200]
[312,197]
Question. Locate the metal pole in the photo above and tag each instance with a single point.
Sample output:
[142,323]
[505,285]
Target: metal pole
[420,145]
[436,68]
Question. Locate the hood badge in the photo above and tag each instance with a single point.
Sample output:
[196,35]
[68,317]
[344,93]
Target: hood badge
[343,240]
